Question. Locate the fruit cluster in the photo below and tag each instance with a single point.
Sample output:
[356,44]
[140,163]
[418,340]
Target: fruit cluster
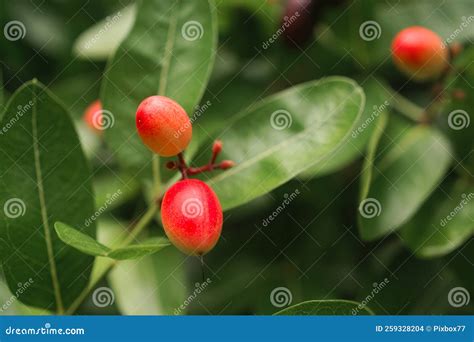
[190,210]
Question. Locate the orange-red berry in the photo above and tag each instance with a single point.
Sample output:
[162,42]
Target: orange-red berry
[93,116]
[192,216]
[163,125]
[420,53]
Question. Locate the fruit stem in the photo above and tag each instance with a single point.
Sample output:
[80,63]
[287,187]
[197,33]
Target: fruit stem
[183,168]
[137,229]
[408,108]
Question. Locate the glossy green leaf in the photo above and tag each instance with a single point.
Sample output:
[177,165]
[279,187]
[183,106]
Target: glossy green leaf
[376,107]
[326,307]
[102,39]
[169,51]
[409,164]
[443,223]
[285,134]
[45,178]
[90,246]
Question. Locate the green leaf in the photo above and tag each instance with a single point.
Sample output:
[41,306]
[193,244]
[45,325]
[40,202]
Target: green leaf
[326,307]
[90,246]
[45,178]
[169,51]
[145,248]
[444,222]
[376,107]
[410,164]
[102,39]
[285,134]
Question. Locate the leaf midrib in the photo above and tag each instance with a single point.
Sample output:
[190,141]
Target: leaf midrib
[42,200]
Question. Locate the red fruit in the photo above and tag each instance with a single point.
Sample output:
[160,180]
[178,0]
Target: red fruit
[192,216]
[163,125]
[420,53]
[93,116]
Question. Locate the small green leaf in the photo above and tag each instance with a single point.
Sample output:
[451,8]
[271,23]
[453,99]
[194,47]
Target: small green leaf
[147,247]
[410,164]
[326,307]
[285,134]
[90,246]
[80,241]
[44,178]
[169,51]
[102,39]
[443,223]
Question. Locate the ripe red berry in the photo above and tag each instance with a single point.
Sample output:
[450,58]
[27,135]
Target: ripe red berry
[192,216]
[163,125]
[93,116]
[419,53]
